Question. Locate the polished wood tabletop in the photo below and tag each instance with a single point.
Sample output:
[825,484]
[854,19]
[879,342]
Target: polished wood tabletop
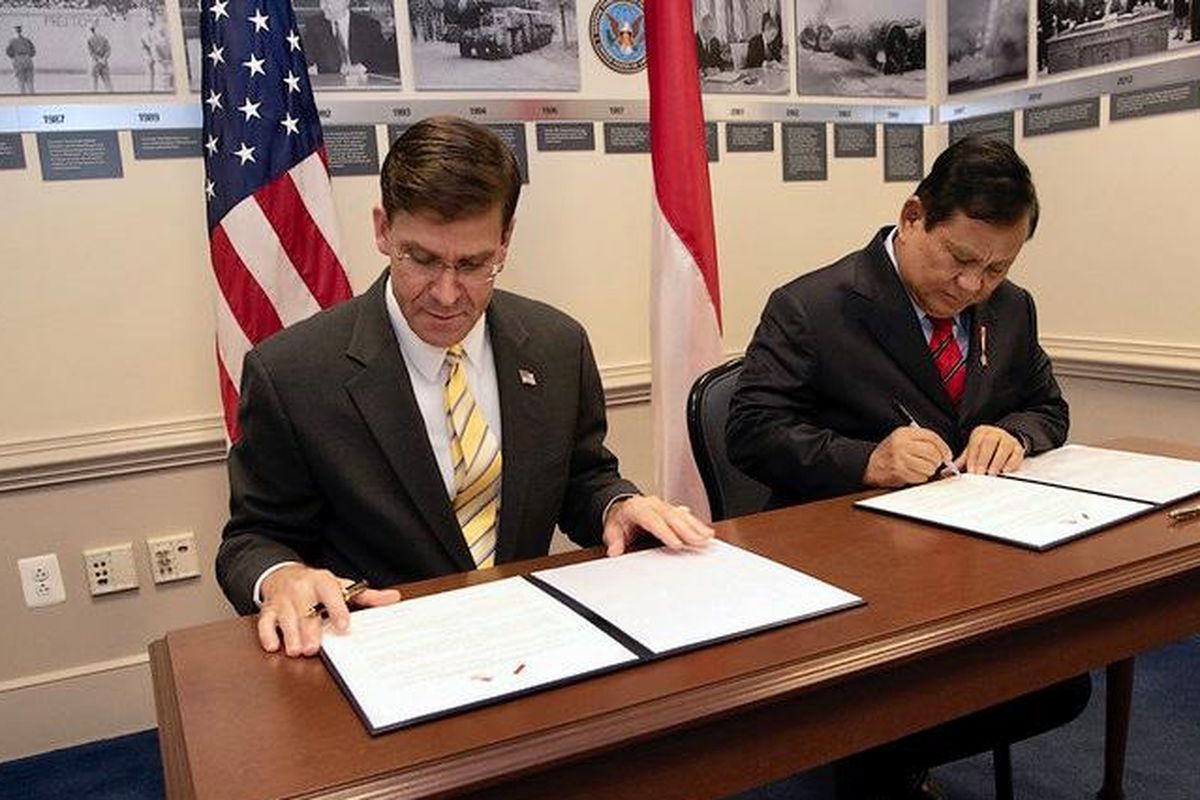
[952,624]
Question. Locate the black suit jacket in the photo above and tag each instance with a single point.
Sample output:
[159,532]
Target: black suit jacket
[836,348]
[366,45]
[334,467]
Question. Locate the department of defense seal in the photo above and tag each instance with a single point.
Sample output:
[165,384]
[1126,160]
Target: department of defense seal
[618,37]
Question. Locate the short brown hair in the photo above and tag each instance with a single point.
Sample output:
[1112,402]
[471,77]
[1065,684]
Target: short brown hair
[450,167]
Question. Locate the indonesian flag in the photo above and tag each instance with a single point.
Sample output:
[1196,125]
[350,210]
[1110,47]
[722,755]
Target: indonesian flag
[685,310]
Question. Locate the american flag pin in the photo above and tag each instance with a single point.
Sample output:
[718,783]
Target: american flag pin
[527,377]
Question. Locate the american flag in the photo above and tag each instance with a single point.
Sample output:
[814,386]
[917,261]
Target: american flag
[273,232]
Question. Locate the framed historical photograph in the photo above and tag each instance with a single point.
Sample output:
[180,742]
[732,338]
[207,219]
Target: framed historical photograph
[860,48]
[349,44]
[987,43]
[1072,34]
[495,44]
[54,47]
[740,46]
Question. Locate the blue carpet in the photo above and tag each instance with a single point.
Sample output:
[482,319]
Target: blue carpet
[124,768]
[1163,761]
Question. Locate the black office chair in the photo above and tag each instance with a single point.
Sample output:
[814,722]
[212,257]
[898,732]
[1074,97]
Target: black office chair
[732,493]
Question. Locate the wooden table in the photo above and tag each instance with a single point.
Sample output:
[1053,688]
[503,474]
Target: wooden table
[952,624]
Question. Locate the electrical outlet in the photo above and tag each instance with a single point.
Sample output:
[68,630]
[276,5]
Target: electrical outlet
[110,569]
[174,557]
[41,580]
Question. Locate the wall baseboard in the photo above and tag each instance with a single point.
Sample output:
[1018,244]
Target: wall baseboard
[201,440]
[1123,361]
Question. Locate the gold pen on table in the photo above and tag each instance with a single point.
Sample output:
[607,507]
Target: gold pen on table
[348,594]
[947,465]
[1187,512]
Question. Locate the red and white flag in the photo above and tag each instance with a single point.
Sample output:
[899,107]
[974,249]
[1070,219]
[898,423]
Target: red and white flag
[685,307]
[272,229]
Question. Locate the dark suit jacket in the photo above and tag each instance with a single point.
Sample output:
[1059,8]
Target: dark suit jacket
[366,45]
[758,52]
[334,467]
[836,347]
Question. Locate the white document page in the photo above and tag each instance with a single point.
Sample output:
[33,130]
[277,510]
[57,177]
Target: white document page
[671,599]
[1025,513]
[436,653]
[1154,479]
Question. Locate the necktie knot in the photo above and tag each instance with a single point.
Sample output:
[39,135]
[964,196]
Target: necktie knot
[942,325]
[455,355]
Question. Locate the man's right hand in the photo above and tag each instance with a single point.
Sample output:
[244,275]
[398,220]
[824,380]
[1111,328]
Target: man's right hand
[908,455]
[290,592]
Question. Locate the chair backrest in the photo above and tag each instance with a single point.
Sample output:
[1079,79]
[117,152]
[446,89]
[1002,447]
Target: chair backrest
[731,493]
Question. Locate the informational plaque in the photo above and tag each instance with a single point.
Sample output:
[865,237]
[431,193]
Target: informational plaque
[903,153]
[991,126]
[710,141]
[854,140]
[1157,100]
[1061,117]
[513,135]
[566,136]
[749,137]
[352,150]
[12,151]
[79,155]
[627,137]
[155,143]
[805,157]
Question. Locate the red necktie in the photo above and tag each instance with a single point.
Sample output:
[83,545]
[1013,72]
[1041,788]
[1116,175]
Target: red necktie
[949,358]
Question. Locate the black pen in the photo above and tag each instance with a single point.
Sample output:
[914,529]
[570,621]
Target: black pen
[348,594]
[912,423]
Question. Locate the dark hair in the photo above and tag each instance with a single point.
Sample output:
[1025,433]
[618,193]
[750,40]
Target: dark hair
[983,178]
[452,168]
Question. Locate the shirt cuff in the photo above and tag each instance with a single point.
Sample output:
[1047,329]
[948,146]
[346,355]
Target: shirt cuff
[257,594]
[611,503]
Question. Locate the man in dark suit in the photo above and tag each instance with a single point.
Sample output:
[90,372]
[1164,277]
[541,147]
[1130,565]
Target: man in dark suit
[342,40]
[431,425]
[922,323]
[839,351]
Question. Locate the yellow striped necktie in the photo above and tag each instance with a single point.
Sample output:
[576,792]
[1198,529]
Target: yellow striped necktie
[475,454]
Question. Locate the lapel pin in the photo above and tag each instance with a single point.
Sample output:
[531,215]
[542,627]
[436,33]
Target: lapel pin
[527,377]
[983,346]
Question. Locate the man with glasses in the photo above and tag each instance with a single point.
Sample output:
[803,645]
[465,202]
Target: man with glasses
[432,425]
[911,356]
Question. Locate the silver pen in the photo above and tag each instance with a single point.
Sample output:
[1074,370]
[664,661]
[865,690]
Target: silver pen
[1187,512]
[947,465]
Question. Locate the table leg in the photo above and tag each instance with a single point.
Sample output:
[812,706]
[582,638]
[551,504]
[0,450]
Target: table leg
[1118,699]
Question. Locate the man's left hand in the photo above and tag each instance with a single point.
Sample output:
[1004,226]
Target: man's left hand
[674,526]
[990,450]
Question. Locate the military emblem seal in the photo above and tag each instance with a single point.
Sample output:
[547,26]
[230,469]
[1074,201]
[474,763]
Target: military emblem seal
[617,34]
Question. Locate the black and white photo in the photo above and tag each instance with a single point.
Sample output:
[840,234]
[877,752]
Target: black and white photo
[349,44]
[1072,34]
[987,43]
[860,48]
[740,46]
[495,44]
[81,46]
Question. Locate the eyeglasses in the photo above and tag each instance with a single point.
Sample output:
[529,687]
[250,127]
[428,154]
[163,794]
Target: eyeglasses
[469,271]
